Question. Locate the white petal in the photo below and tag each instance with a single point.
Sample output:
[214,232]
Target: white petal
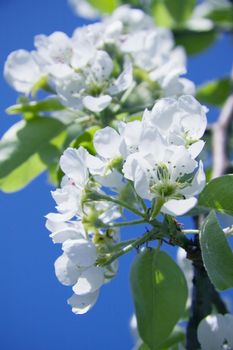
[21,71]
[210,333]
[176,207]
[123,82]
[82,252]
[67,233]
[107,142]
[89,281]
[72,163]
[82,303]
[67,273]
[59,218]
[197,184]
[162,114]
[53,226]
[194,119]
[114,180]
[97,104]
[196,148]
[95,165]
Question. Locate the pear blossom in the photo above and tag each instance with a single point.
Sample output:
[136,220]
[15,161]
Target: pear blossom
[182,121]
[215,332]
[132,19]
[94,87]
[83,8]
[165,171]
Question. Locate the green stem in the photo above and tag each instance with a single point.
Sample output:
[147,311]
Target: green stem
[126,223]
[157,207]
[123,204]
[134,244]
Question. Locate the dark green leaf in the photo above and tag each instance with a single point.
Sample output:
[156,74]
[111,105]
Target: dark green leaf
[222,17]
[30,138]
[216,253]
[170,13]
[218,195]
[180,10]
[195,42]
[154,278]
[214,92]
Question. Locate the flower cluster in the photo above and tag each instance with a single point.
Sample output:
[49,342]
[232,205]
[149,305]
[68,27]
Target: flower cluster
[75,226]
[102,63]
[155,157]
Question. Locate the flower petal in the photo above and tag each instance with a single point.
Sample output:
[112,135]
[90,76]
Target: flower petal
[67,273]
[89,281]
[107,142]
[73,164]
[82,303]
[67,233]
[80,251]
[176,207]
[97,104]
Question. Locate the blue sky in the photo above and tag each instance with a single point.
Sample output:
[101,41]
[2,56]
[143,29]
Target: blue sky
[33,310]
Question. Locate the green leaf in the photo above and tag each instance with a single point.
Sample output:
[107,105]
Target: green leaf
[143,347]
[104,6]
[180,10]
[222,17]
[170,13]
[154,278]
[41,84]
[216,253]
[22,175]
[195,42]
[30,138]
[214,92]
[47,156]
[86,139]
[48,105]
[161,15]
[218,195]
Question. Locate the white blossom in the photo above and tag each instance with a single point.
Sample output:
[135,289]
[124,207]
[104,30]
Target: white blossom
[21,71]
[159,170]
[84,9]
[215,332]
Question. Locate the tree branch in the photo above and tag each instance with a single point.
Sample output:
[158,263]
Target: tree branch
[221,133]
[204,295]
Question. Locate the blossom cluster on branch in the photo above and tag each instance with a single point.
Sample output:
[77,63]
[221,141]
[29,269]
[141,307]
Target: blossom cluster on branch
[95,67]
[154,158]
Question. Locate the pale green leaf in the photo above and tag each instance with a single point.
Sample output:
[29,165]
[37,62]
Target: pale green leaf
[48,105]
[104,6]
[29,138]
[214,92]
[154,278]
[216,253]
[218,195]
